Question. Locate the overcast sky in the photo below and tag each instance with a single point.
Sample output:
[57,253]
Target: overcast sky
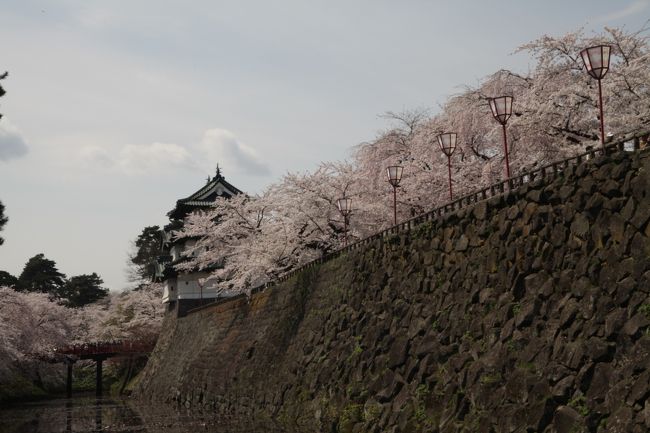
[116,109]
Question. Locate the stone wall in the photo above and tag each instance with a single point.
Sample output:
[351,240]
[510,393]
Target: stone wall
[529,312]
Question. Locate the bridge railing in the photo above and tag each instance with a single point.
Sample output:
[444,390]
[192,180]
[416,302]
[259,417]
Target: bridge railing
[107,347]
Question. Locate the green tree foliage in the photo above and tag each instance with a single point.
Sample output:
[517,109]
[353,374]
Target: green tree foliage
[2,91]
[41,275]
[84,289]
[7,280]
[147,249]
[3,218]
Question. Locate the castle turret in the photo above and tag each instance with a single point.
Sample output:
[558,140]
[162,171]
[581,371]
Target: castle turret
[184,288]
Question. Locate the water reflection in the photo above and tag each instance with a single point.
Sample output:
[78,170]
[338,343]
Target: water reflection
[91,414]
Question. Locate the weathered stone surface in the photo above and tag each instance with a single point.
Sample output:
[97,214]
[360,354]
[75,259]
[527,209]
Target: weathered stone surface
[462,243]
[621,421]
[645,414]
[397,351]
[562,389]
[611,188]
[598,350]
[480,210]
[614,322]
[567,420]
[600,382]
[640,389]
[580,226]
[528,312]
[566,191]
[633,325]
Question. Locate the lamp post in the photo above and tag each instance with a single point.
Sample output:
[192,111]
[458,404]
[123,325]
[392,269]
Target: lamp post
[447,143]
[201,282]
[596,60]
[345,207]
[394,177]
[501,107]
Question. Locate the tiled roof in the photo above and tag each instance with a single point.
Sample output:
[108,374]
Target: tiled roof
[196,202]
[198,199]
[215,180]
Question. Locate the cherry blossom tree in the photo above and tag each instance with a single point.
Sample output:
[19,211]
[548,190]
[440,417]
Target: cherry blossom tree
[30,323]
[250,240]
[292,222]
[555,115]
[129,315]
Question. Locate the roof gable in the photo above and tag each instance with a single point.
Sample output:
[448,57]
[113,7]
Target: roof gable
[205,196]
[217,187]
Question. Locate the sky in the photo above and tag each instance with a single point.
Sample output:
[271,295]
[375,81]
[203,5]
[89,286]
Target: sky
[116,109]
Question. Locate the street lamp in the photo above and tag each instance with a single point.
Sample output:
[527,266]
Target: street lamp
[501,107]
[394,177]
[596,60]
[447,143]
[345,207]
[200,282]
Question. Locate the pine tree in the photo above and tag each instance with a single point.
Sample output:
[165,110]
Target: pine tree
[3,220]
[147,249]
[7,280]
[41,275]
[2,91]
[84,289]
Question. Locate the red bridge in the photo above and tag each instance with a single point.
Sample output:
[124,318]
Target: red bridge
[105,349]
[98,352]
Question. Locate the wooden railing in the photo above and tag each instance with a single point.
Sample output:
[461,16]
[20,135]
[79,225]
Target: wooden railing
[546,172]
[107,348]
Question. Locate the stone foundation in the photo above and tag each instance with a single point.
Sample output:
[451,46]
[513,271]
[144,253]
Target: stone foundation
[529,312]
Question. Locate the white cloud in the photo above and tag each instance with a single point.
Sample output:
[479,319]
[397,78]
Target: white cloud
[217,146]
[12,142]
[632,9]
[96,156]
[141,159]
[222,146]
[154,157]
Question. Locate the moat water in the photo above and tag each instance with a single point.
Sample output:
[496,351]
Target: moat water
[89,414]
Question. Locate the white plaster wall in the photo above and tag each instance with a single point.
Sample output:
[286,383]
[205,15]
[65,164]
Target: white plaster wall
[189,288]
[170,290]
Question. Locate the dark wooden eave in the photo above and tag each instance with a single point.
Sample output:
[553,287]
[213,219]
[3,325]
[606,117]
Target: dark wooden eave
[204,197]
